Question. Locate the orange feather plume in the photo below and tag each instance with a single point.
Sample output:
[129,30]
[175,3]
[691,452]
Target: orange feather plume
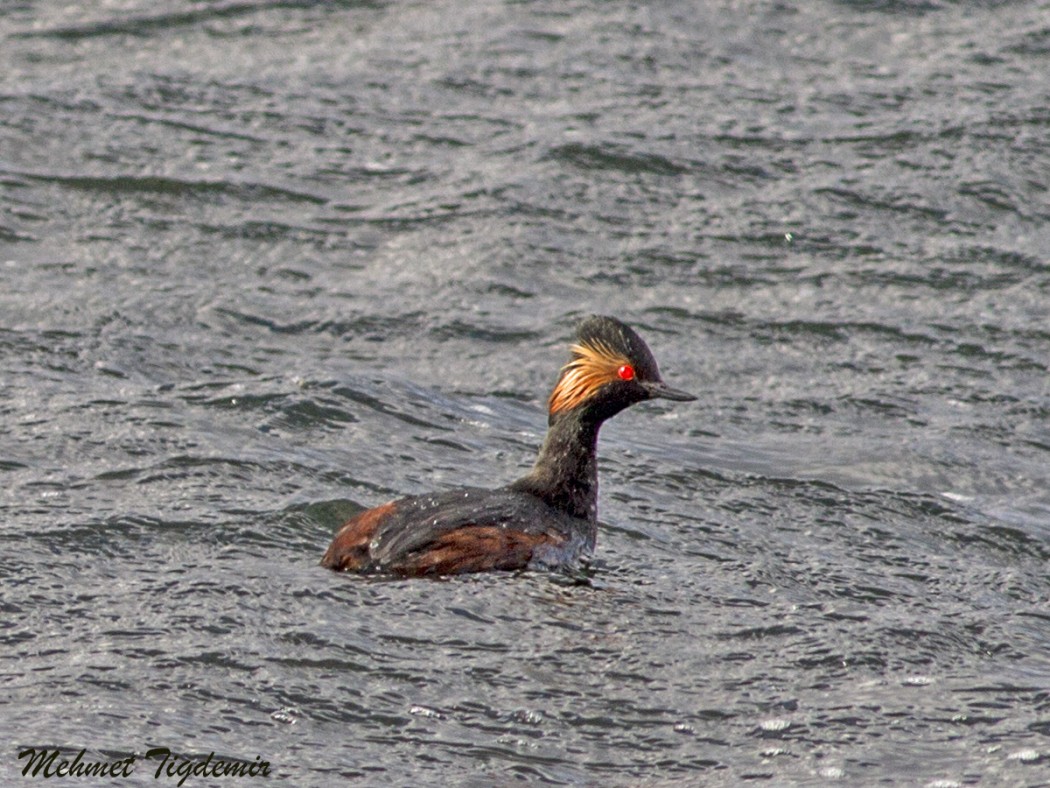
[593,365]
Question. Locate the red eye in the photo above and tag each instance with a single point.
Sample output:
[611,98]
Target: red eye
[626,372]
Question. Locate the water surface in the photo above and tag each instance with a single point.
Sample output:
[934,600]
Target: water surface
[264,264]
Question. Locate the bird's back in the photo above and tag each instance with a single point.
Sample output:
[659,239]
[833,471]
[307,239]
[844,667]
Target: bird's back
[463,530]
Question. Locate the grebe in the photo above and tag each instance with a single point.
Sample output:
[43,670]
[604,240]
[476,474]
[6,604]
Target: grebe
[549,517]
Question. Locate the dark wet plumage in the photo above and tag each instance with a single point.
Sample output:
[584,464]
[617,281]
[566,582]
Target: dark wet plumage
[547,518]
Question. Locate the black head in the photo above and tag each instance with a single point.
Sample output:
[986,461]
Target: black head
[611,368]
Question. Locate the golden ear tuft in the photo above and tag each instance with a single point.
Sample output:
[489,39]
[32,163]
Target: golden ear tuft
[593,365]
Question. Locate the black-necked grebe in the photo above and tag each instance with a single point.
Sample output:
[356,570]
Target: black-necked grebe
[547,518]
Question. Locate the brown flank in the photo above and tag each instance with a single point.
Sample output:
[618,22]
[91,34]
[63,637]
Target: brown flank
[475,548]
[349,549]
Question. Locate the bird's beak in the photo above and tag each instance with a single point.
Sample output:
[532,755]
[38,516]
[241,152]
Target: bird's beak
[663,391]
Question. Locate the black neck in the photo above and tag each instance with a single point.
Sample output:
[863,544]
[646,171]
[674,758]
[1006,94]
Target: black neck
[566,472]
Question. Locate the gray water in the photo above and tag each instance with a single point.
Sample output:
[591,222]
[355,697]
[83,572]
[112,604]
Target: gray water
[265,263]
